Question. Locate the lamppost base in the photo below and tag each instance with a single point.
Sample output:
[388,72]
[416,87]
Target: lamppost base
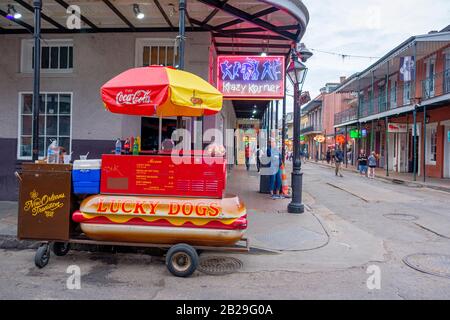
[296,208]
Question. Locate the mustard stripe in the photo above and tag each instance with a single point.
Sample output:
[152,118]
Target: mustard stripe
[175,221]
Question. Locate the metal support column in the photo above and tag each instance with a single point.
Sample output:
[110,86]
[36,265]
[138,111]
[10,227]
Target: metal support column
[37,4]
[414,144]
[296,205]
[372,137]
[387,146]
[345,148]
[424,169]
[276,120]
[283,128]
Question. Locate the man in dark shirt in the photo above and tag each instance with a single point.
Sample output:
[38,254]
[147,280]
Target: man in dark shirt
[338,159]
[362,163]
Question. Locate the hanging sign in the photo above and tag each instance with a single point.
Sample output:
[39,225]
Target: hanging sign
[355,134]
[397,128]
[340,139]
[319,138]
[250,77]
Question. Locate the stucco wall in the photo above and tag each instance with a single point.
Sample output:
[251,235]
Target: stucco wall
[97,58]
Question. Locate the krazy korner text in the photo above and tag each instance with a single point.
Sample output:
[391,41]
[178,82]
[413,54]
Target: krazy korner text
[193,310]
[250,88]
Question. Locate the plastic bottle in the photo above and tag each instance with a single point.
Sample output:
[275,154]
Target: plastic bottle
[127,146]
[118,149]
[52,154]
[138,138]
[135,147]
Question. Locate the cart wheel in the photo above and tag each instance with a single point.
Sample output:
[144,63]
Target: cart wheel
[182,260]
[60,248]
[42,256]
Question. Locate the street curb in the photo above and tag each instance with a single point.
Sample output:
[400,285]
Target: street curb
[393,180]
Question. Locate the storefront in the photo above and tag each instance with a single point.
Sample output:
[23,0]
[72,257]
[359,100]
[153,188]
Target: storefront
[77,61]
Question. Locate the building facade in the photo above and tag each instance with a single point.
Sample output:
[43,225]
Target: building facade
[110,38]
[403,109]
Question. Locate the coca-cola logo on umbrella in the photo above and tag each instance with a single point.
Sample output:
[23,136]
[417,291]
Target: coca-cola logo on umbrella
[134,98]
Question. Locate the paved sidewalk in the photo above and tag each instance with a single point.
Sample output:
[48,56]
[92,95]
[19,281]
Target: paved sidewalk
[406,178]
[270,226]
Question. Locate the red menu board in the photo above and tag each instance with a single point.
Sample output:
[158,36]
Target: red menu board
[159,175]
[251,77]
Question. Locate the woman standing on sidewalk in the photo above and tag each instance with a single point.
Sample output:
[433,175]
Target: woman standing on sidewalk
[372,165]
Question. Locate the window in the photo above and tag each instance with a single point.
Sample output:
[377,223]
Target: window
[433,139]
[429,81]
[406,92]
[54,122]
[156,52]
[56,56]
[447,73]
[381,98]
[393,100]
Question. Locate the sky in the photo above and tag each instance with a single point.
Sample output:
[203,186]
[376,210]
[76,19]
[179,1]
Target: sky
[363,28]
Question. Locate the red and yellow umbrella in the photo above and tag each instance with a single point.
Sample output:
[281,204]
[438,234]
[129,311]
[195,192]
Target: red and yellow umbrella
[162,91]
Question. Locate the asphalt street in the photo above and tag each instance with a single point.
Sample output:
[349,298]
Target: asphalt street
[352,226]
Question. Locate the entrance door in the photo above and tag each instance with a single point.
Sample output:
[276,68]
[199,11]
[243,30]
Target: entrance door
[401,152]
[447,152]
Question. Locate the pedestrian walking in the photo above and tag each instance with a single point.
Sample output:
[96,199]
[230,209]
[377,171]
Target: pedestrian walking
[247,156]
[372,165]
[275,168]
[362,163]
[258,160]
[328,156]
[332,152]
[338,159]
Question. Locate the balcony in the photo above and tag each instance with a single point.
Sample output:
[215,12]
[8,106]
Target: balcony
[437,85]
[346,116]
[398,96]
[311,129]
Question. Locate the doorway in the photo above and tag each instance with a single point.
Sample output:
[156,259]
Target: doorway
[154,131]
[447,152]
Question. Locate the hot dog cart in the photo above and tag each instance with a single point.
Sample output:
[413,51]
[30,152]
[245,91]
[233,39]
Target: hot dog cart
[173,200]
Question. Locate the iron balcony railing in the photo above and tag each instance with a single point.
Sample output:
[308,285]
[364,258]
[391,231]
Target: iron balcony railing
[311,128]
[436,85]
[346,116]
[397,96]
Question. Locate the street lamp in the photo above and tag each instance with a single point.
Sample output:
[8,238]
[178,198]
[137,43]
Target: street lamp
[296,72]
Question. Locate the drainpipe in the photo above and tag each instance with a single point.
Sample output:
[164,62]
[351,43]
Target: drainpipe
[37,4]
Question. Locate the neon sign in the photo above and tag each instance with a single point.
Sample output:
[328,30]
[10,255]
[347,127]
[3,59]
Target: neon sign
[251,77]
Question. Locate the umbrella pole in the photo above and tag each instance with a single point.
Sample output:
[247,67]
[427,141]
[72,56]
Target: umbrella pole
[181,38]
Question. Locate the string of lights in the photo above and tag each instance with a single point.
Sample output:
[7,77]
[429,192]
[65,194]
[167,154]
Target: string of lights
[343,55]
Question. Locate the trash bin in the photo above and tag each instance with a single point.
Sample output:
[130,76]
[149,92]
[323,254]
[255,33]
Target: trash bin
[44,201]
[264,180]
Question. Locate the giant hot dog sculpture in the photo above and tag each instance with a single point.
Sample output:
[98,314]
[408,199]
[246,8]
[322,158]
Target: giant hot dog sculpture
[214,222]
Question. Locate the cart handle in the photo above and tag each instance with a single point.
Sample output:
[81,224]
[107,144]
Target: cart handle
[18,176]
